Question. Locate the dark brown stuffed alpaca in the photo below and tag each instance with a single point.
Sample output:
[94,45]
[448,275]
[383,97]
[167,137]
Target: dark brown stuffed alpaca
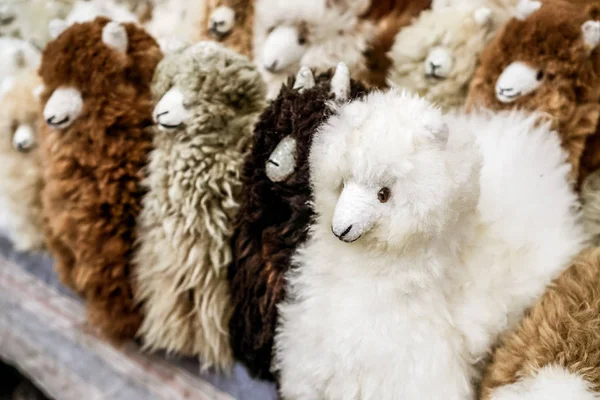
[274,213]
[548,60]
[97,105]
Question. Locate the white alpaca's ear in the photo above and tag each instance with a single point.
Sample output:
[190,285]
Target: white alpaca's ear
[170,112]
[591,34]
[221,21]
[435,133]
[56,27]
[63,107]
[518,79]
[304,80]
[483,16]
[114,35]
[282,161]
[24,138]
[340,83]
[526,7]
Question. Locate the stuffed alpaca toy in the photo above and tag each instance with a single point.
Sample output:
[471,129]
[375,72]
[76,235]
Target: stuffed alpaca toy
[546,59]
[274,212]
[230,22]
[97,105]
[17,55]
[313,33]
[21,173]
[176,19]
[553,354]
[437,54]
[209,99]
[418,257]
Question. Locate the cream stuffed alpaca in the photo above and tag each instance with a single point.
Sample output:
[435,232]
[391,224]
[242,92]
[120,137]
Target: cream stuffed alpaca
[436,56]
[313,33]
[21,173]
[208,101]
[433,234]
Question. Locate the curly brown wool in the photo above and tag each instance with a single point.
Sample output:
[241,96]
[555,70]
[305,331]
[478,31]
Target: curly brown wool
[562,329]
[273,220]
[549,39]
[93,167]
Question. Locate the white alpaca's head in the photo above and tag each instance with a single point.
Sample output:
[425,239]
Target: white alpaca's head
[520,79]
[284,47]
[63,107]
[382,173]
[171,112]
[221,22]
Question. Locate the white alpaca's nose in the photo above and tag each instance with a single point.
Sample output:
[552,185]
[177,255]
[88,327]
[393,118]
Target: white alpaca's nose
[221,22]
[354,213]
[282,49]
[170,112]
[518,79]
[24,138]
[63,107]
[438,63]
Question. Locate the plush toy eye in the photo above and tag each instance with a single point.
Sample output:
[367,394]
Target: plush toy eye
[540,75]
[301,40]
[384,195]
[271,29]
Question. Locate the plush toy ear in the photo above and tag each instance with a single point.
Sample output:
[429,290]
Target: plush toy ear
[340,83]
[114,35]
[526,7]
[56,27]
[591,34]
[435,134]
[304,79]
[483,16]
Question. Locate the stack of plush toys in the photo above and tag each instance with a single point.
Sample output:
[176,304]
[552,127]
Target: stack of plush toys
[357,199]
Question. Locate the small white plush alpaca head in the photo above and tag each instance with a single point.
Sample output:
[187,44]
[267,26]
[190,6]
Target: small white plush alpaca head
[437,55]
[222,21]
[385,175]
[521,79]
[284,47]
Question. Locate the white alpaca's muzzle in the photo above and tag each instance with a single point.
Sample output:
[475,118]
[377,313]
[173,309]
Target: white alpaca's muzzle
[170,112]
[282,49]
[63,107]
[355,213]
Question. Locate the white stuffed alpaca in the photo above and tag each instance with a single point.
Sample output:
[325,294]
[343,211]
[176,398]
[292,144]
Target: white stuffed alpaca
[436,56]
[312,33]
[431,232]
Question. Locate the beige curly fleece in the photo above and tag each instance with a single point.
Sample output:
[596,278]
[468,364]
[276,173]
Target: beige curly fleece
[193,184]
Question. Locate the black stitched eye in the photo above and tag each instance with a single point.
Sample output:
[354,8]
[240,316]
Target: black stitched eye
[540,75]
[384,195]
[271,29]
[301,40]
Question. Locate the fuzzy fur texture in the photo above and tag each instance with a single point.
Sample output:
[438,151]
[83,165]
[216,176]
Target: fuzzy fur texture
[590,199]
[176,19]
[17,55]
[325,34]
[551,41]
[92,168]
[193,187]
[433,260]
[560,333]
[273,219]
[239,38]
[21,173]
[452,31]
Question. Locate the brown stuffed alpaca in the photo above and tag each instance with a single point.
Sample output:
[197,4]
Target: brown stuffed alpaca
[546,59]
[230,22]
[97,104]
[555,352]
[274,214]
[390,16]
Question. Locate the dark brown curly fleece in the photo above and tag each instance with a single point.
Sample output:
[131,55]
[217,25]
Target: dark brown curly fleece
[93,167]
[551,40]
[273,220]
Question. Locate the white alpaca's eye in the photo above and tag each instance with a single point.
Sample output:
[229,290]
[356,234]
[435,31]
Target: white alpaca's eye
[384,195]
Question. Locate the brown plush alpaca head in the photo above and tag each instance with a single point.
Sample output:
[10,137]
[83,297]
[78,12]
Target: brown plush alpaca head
[545,59]
[105,62]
